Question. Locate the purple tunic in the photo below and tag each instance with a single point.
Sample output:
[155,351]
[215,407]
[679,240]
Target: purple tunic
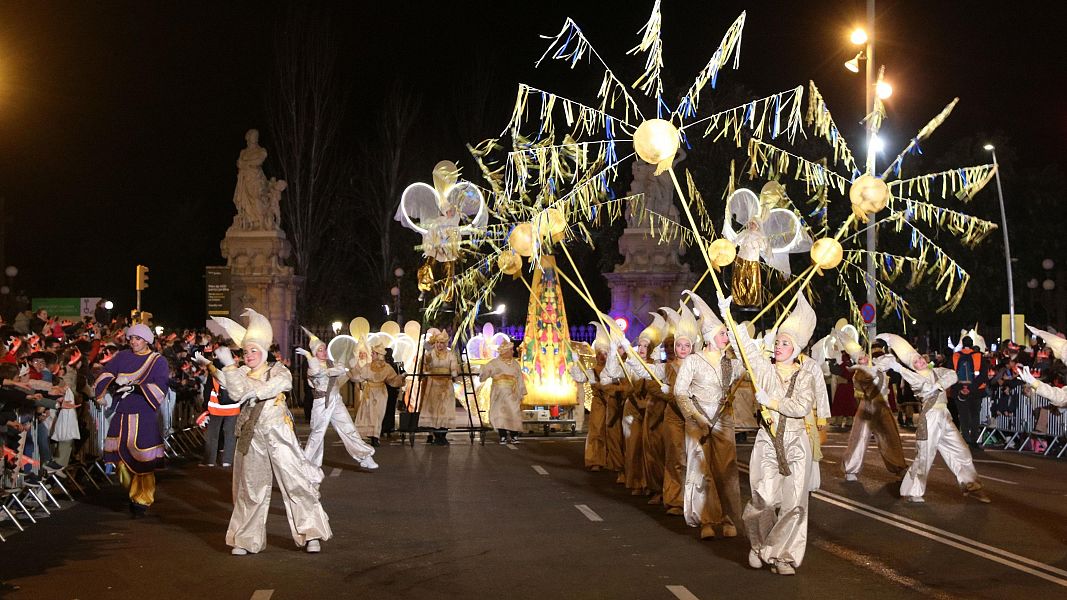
[133,436]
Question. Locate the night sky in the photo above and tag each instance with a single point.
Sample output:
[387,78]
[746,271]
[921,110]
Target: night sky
[120,122]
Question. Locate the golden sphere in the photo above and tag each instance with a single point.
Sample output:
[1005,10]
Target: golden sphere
[521,239]
[869,194]
[826,253]
[722,252]
[390,327]
[550,223]
[509,262]
[656,141]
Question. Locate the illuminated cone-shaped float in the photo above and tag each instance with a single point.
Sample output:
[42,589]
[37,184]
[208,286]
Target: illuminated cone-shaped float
[546,351]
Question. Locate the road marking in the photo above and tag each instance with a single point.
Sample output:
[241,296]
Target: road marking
[681,592]
[262,594]
[336,472]
[998,555]
[512,447]
[540,470]
[588,512]
[998,479]
[1003,462]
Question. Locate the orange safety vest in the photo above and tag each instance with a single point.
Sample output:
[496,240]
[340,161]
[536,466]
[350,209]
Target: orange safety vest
[976,358]
[220,410]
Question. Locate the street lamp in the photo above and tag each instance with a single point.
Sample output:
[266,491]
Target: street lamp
[1007,247]
[398,273]
[336,326]
[109,305]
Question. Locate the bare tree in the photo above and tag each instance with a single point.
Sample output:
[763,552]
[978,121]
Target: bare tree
[305,110]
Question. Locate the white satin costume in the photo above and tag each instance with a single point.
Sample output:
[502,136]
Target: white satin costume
[329,409]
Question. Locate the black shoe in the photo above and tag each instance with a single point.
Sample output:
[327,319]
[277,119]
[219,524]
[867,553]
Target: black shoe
[374,442]
[52,465]
[137,510]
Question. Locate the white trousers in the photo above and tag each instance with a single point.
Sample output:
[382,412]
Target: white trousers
[327,411]
[274,454]
[777,516]
[942,438]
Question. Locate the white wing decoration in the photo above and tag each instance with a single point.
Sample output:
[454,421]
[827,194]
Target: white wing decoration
[742,206]
[784,234]
[444,214]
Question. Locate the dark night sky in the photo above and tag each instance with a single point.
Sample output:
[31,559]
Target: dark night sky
[120,122]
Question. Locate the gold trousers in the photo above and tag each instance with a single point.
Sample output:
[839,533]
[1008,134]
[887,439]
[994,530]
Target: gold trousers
[141,487]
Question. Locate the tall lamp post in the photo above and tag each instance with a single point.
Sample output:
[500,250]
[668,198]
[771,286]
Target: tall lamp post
[1007,247]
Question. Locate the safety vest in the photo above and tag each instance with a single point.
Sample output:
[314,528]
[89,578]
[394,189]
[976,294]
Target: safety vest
[214,408]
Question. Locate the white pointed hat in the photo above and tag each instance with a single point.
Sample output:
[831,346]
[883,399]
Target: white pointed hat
[800,323]
[901,347]
[313,340]
[688,328]
[259,331]
[654,332]
[710,323]
[602,342]
[1057,344]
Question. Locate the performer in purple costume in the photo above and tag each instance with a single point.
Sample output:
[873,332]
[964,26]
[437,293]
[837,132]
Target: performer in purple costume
[138,381]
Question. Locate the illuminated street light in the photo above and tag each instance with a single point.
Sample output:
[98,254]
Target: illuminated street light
[883,89]
[109,305]
[854,64]
[877,144]
[858,37]
[336,325]
[989,147]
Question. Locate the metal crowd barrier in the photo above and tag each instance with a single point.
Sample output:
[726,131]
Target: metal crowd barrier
[1022,428]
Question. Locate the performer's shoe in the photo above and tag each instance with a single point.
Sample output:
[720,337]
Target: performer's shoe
[313,547]
[503,441]
[783,569]
[851,477]
[974,490]
[656,499]
[513,440]
[375,442]
[368,464]
[637,492]
[237,551]
[916,499]
[621,478]
[226,465]
[728,530]
[674,510]
[594,468]
[707,532]
[754,560]
[138,510]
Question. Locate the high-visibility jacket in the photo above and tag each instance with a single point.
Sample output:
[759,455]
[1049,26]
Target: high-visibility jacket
[218,401]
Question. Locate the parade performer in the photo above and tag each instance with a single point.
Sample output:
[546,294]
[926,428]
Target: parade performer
[935,433]
[1056,396]
[611,389]
[712,486]
[137,380]
[657,399]
[589,376]
[816,421]
[506,393]
[376,378]
[438,397]
[776,518]
[266,444]
[637,368]
[873,414]
[327,408]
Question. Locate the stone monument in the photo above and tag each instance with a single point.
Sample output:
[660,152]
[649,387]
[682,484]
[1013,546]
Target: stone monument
[256,249]
[651,274]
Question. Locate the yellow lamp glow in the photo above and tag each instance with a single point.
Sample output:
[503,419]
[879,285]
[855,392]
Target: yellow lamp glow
[656,142]
[858,37]
[883,89]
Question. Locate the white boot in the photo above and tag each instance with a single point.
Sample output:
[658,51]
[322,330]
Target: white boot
[313,547]
[368,464]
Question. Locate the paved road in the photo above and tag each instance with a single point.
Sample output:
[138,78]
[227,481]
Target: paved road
[529,522]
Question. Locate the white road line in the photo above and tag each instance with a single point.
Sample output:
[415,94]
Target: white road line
[1003,462]
[336,472]
[588,512]
[262,594]
[540,470]
[681,592]
[998,479]
[512,447]
[948,538]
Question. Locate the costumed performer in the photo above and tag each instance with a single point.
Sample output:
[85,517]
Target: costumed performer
[376,377]
[1056,396]
[438,398]
[637,366]
[137,380]
[870,381]
[613,392]
[266,444]
[506,392]
[327,408]
[712,484]
[589,377]
[776,518]
[934,433]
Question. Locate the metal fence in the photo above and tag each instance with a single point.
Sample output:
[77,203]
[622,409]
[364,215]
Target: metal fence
[1021,420]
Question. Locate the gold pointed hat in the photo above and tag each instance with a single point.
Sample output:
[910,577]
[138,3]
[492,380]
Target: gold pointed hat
[672,316]
[901,347]
[655,332]
[313,340]
[710,323]
[258,332]
[800,323]
[846,338]
[1057,344]
[688,328]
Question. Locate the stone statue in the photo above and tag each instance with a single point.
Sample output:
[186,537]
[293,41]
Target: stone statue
[273,218]
[251,195]
[658,191]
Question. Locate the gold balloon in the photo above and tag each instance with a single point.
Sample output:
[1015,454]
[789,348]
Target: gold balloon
[510,263]
[521,239]
[390,327]
[868,194]
[826,253]
[550,223]
[772,195]
[656,142]
[722,252]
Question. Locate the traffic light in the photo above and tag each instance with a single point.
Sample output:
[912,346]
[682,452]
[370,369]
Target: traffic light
[142,277]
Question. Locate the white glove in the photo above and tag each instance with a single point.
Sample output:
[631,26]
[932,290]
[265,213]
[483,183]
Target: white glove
[123,391]
[666,389]
[223,354]
[1027,376]
[763,397]
[122,380]
[200,359]
[725,303]
[303,352]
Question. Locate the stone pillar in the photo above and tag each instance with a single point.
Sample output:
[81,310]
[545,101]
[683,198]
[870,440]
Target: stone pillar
[260,279]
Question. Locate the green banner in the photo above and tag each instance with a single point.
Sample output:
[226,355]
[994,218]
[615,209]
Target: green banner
[59,307]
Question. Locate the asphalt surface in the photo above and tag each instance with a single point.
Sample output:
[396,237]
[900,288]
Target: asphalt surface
[528,521]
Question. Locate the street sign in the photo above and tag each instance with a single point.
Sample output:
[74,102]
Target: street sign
[868,313]
[218,291]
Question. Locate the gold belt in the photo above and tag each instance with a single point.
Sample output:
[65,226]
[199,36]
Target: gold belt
[503,378]
[374,384]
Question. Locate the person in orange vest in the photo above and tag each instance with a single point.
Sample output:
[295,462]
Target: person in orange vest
[969,391]
[220,416]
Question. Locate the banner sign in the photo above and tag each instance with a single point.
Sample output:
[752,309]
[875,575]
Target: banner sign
[218,291]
